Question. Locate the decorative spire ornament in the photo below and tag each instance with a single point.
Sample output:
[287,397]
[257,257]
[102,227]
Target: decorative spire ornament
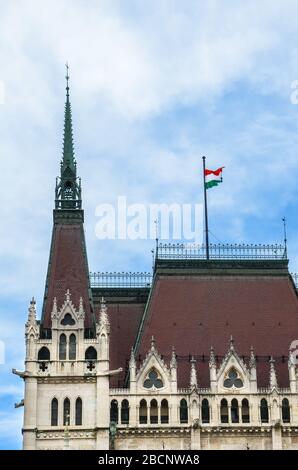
[193,373]
[273,378]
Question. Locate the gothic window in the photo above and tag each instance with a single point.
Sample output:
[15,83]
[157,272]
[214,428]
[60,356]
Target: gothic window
[91,354]
[245,411]
[153,412]
[233,380]
[285,409]
[67,320]
[79,411]
[264,411]
[43,354]
[72,347]
[143,412]
[183,411]
[164,412]
[114,411]
[234,411]
[54,412]
[205,411]
[62,347]
[224,411]
[124,412]
[66,412]
[153,380]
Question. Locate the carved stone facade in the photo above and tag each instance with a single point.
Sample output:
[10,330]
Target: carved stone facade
[69,403]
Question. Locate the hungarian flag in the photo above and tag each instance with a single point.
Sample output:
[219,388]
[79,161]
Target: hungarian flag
[213,177]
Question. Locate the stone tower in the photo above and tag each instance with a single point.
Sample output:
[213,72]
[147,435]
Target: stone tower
[66,402]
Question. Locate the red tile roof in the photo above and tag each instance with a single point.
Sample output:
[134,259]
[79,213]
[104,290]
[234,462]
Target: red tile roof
[193,312]
[68,269]
[124,320]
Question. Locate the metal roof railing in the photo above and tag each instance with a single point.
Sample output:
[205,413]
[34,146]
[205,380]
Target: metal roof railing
[221,251]
[121,279]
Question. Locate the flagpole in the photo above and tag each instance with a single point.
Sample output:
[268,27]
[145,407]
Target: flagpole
[206,211]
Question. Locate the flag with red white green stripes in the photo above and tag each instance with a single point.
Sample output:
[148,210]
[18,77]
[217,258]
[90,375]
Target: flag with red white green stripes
[213,177]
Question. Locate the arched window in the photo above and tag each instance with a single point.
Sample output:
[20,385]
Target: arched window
[114,411]
[72,347]
[224,411]
[245,411]
[143,412]
[67,320]
[124,412]
[62,347]
[54,412]
[285,410]
[234,411]
[66,412]
[183,411]
[205,411]
[91,354]
[79,411]
[264,411]
[164,412]
[43,354]
[153,412]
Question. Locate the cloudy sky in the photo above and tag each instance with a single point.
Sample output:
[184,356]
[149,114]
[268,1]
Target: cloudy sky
[155,84]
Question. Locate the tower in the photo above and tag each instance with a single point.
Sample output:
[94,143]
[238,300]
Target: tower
[66,403]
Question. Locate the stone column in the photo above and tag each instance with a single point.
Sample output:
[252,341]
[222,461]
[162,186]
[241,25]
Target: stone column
[30,414]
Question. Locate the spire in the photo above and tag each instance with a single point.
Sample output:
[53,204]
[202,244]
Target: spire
[173,363]
[132,361]
[32,313]
[273,378]
[68,150]
[68,186]
[103,316]
[193,373]
[212,361]
[153,348]
[252,360]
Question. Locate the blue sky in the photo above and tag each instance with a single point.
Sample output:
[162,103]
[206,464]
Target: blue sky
[154,86]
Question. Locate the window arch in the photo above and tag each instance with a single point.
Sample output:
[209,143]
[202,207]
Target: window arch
[124,412]
[62,347]
[164,412]
[245,411]
[205,411]
[114,411]
[72,347]
[224,411]
[66,412]
[234,411]
[183,409]
[43,354]
[143,412]
[285,410]
[264,411]
[91,354]
[54,412]
[153,412]
[79,411]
